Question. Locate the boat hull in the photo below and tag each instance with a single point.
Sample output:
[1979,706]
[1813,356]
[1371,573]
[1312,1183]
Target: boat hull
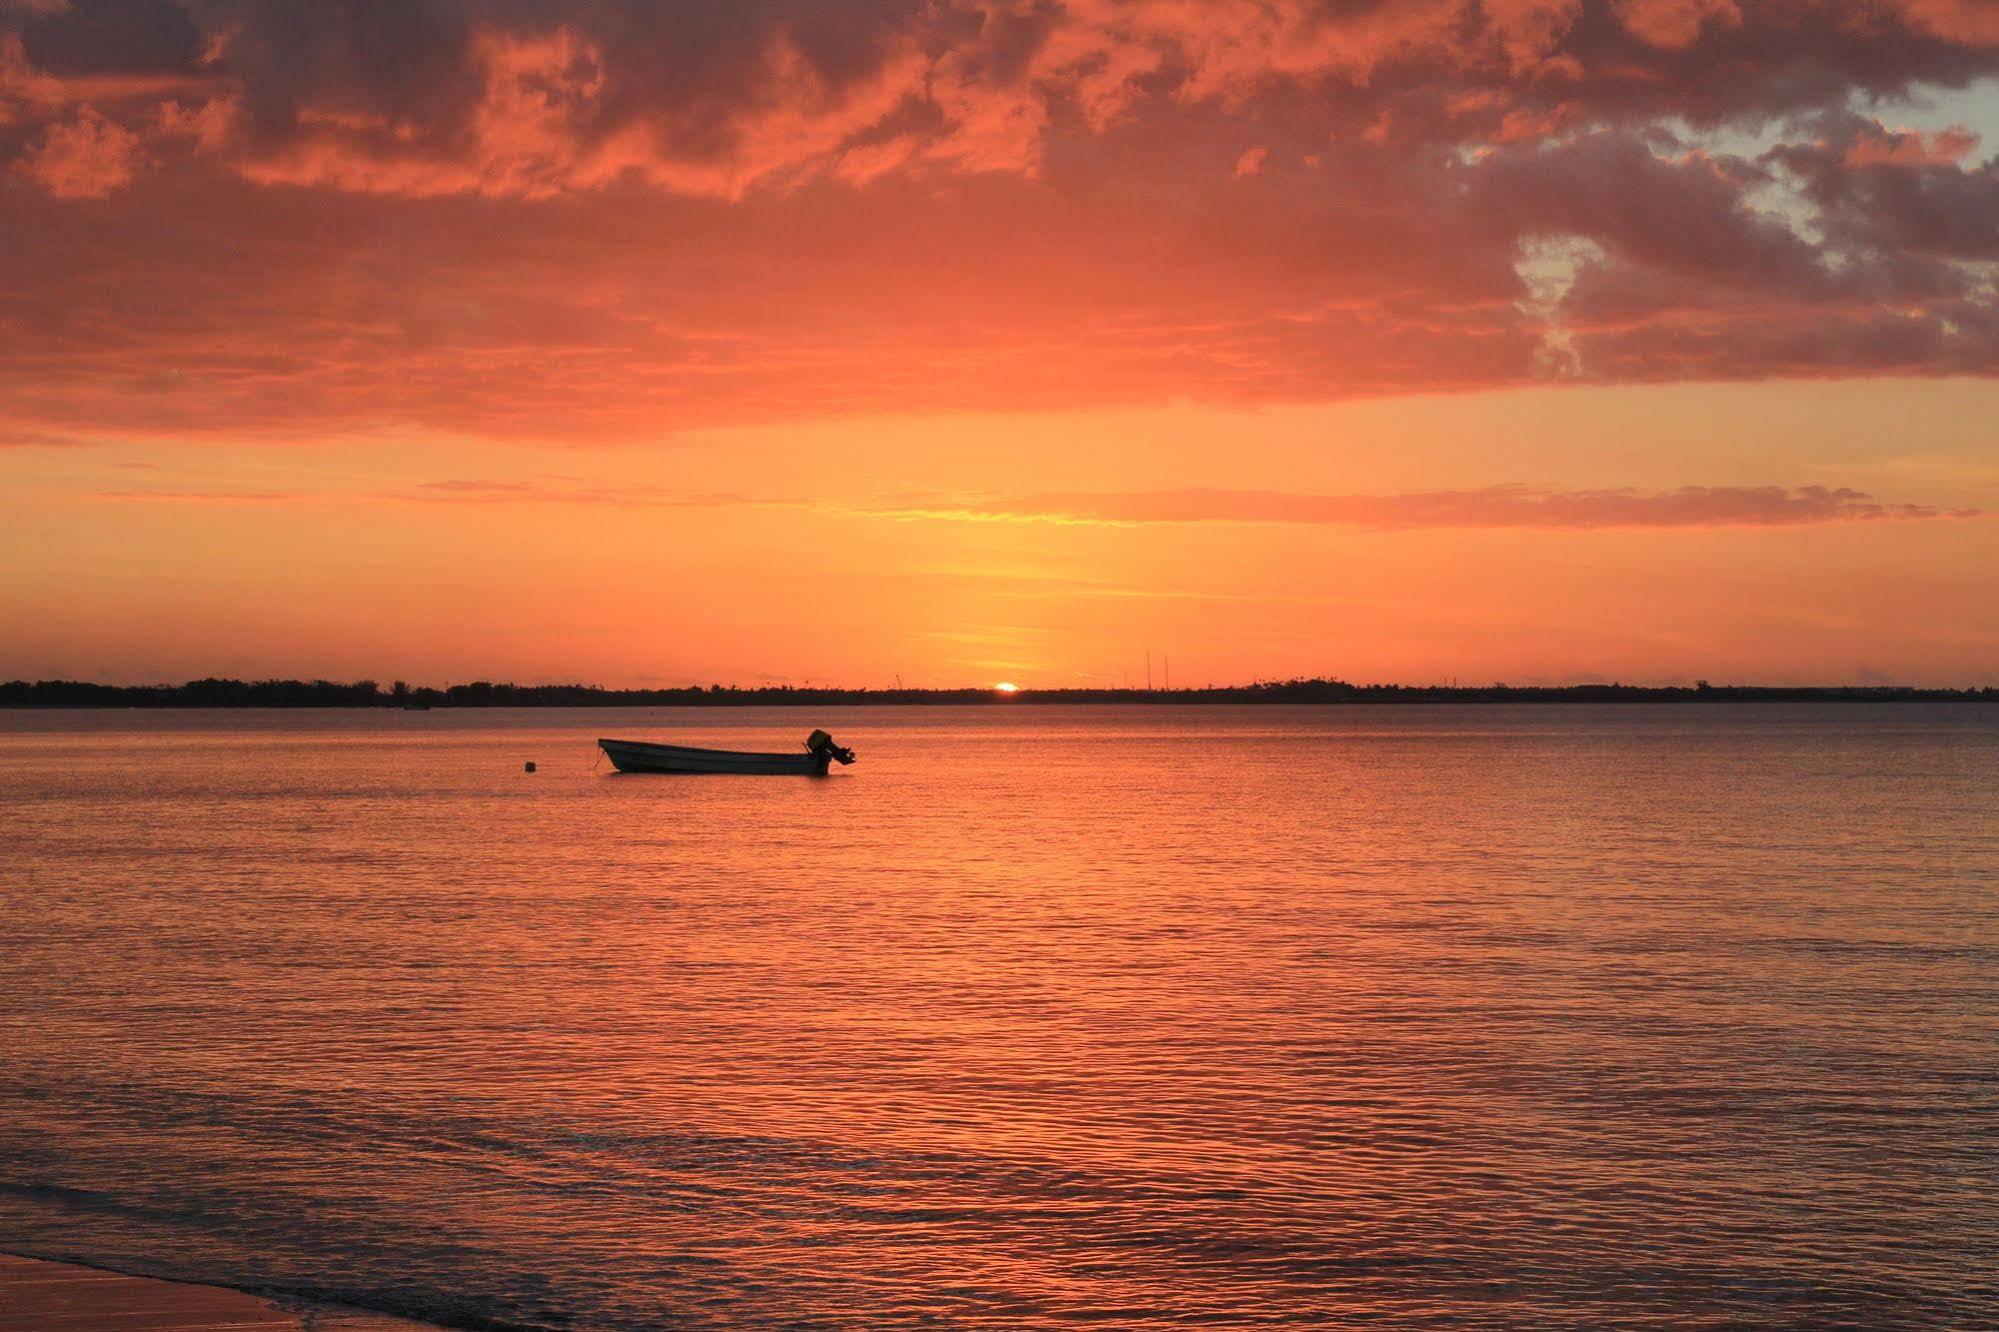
[638,756]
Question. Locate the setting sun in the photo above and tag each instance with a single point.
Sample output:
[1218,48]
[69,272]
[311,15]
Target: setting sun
[1006,687]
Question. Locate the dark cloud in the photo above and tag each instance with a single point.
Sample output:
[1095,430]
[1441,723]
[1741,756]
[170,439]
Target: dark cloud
[1889,192]
[86,37]
[1685,218]
[327,86]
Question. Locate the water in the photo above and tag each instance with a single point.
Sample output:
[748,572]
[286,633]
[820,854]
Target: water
[1135,1018]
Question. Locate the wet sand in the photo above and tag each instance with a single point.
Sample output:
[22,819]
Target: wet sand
[38,1296]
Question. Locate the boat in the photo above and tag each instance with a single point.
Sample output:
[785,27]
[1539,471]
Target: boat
[643,756]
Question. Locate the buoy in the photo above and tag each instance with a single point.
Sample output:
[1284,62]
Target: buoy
[530,767]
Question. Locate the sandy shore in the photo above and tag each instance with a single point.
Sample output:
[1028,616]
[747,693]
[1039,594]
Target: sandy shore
[36,1296]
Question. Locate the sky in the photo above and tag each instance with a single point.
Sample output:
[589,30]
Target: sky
[957,341]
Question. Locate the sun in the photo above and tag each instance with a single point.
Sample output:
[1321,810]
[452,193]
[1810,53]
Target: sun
[1006,687]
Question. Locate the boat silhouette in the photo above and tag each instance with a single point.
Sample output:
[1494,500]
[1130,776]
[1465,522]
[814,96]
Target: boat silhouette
[643,756]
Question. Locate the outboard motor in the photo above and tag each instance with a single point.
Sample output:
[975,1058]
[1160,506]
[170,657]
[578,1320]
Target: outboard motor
[821,743]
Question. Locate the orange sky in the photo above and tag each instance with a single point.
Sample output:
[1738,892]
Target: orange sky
[1537,340]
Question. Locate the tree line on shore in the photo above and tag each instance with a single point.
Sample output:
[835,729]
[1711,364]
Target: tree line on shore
[214,693]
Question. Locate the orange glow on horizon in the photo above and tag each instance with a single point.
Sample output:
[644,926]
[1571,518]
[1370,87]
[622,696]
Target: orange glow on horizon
[949,550]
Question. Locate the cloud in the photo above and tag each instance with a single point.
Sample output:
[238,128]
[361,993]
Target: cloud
[457,491]
[1510,506]
[1874,145]
[84,158]
[558,491]
[480,490]
[591,220]
[36,439]
[37,81]
[1507,506]
[207,496]
[1676,24]
[1884,192]
[521,100]
[1970,21]
[134,38]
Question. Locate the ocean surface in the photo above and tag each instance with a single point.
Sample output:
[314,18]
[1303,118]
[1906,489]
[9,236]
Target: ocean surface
[1449,1016]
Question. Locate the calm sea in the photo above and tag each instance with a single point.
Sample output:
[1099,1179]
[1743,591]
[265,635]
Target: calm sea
[1563,1016]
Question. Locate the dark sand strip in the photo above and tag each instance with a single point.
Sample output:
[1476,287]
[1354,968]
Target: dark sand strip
[56,1297]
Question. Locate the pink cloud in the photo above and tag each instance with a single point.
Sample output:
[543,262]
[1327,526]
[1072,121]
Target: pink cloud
[1878,147]
[1676,24]
[84,158]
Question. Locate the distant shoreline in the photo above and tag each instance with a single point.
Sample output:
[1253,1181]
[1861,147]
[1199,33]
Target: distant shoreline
[481,694]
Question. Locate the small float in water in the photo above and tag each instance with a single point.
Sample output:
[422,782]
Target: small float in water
[639,756]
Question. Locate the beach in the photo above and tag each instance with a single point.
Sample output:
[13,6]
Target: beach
[40,1296]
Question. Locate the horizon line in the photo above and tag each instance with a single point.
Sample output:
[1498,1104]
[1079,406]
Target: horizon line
[367,692]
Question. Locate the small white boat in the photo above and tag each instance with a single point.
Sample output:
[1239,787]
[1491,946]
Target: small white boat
[641,756]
